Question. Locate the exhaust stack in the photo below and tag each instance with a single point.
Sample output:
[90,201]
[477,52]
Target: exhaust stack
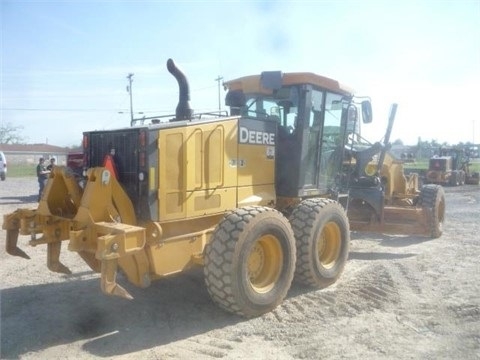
[183,111]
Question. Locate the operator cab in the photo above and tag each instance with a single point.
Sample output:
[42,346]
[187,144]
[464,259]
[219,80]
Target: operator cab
[314,115]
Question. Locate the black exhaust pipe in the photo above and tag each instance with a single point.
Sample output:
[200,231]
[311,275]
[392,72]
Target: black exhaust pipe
[183,111]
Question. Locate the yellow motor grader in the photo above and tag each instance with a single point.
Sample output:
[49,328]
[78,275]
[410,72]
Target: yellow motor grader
[259,196]
[451,166]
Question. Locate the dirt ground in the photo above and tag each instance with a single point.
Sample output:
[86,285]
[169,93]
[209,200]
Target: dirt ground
[400,297]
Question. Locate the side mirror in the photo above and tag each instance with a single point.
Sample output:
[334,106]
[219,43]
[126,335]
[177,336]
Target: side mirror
[235,98]
[367,112]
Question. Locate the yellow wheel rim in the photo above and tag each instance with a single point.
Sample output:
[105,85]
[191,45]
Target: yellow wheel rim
[329,244]
[264,263]
[370,169]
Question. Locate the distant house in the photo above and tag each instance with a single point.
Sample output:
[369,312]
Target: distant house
[30,153]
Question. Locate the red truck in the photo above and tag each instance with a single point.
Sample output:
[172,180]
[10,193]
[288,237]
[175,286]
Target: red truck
[75,162]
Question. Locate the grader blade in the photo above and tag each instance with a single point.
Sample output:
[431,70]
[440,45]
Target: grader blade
[407,221]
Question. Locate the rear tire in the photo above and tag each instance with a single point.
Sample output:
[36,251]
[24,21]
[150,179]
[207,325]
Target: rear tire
[250,261]
[474,179]
[322,235]
[454,181]
[432,199]
[462,177]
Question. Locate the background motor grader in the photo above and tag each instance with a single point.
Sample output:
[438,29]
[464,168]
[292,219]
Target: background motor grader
[451,166]
[257,197]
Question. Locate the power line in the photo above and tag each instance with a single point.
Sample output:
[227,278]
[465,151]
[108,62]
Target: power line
[62,110]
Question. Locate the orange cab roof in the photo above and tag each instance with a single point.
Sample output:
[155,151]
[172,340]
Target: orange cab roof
[252,84]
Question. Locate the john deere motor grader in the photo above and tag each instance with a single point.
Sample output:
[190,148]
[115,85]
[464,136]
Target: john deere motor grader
[257,197]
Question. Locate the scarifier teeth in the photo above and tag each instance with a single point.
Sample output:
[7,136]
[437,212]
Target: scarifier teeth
[121,292]
[11,245]
[60,268]
[53,259]
[18,252]
[108,280]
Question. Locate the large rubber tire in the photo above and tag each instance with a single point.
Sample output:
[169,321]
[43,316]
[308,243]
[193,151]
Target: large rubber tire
[462,177]
[322,236]
[250,261]
[473,179]
[432,200]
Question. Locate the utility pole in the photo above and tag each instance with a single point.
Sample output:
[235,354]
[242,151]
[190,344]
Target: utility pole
[129,90]
[218,79]
[473,132]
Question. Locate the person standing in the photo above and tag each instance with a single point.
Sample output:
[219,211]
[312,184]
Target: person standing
[51,165]
[42,175]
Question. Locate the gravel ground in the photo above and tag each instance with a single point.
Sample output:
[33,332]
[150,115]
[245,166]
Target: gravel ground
[400,297]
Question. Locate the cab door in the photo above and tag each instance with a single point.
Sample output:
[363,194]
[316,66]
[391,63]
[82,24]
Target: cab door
[323,140]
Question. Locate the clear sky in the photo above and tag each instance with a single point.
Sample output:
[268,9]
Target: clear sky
[64,64]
